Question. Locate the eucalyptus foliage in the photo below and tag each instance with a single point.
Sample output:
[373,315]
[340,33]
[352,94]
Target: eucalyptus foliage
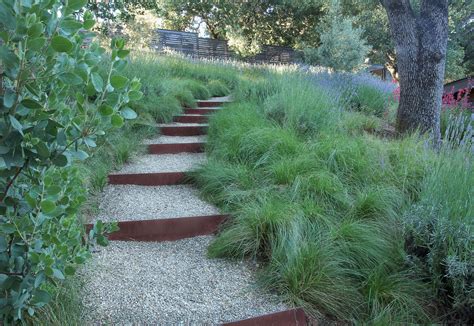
[59,94]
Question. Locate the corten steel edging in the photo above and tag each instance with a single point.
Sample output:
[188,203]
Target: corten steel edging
[183,130]
[210,104]
[191,118]
[176,148]
[148,179]
[200,110]
[170,229]
[293,317]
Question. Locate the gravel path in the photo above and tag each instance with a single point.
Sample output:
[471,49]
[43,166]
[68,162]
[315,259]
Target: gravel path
[126,202]
[164,163]
[169,283]
[175,139]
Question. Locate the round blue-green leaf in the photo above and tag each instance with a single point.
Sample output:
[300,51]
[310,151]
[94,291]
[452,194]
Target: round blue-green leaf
[61,44]
[76,4]
[48,206]
[97,82]
[35,44]
[106,110]
[35,30]
[70,78]
[70,26]
[135,95]
[88,23]
[118,81]
[117,121]
[128,113]
[60,160]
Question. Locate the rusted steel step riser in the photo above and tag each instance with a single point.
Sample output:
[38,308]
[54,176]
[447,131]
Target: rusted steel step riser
[203,111]
[191,118]
[293,317]
[148,179]
[170,229]
[183,130]
[209,104]
[176,148]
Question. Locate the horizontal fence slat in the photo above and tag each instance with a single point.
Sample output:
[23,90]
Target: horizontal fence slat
[190,44]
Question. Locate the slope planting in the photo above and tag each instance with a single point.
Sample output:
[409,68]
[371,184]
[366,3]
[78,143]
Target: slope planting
[349,222]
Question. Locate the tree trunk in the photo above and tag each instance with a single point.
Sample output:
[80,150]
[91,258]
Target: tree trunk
[420,44]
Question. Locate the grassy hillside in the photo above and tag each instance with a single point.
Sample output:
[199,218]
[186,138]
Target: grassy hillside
[349,221]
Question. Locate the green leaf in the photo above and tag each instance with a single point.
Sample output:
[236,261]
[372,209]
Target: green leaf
[40,298]
[71,79]
[106,110]
[48,206]
[61,44]
[60,160]
[16,124]
[88,23]
[97,81]
[81,155]
[31,104]
[90,142]
[74,5]
[102,241]
[70,26]
[118,81]
[7,228]
[117,121]
[79,260]
[35,44]
[70,270]
[58,274]
[53,190]
[9,98]
[35,30]
[128,113]
[135,95]
[123,53]
[42,149]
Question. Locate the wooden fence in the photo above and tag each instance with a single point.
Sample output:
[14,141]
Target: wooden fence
[192,45]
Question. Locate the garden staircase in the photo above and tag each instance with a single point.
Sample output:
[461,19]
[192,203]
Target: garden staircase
[192,123]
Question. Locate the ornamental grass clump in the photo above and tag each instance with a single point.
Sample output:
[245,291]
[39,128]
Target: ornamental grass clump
[317,203]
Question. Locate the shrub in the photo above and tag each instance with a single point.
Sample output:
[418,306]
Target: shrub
[439,230]
[370,101]
[342,47]
[59,99]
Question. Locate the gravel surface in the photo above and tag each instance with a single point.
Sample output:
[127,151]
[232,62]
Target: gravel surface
[126,202]
[175,139]
[219,99]
[169,283]
[164,163]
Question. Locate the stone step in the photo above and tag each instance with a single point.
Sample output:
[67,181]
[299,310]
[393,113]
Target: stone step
[167,229]
[191,118]
[170,283]
[156,170]
[183,130]
[202,111]
[213,102]
[176,148]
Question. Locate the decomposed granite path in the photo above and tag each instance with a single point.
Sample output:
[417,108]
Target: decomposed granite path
[160,282]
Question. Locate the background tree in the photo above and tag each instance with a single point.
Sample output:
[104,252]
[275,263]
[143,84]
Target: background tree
[341,46]
[420,37]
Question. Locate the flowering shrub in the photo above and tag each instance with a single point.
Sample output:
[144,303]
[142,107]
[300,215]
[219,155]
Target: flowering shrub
[59,97]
